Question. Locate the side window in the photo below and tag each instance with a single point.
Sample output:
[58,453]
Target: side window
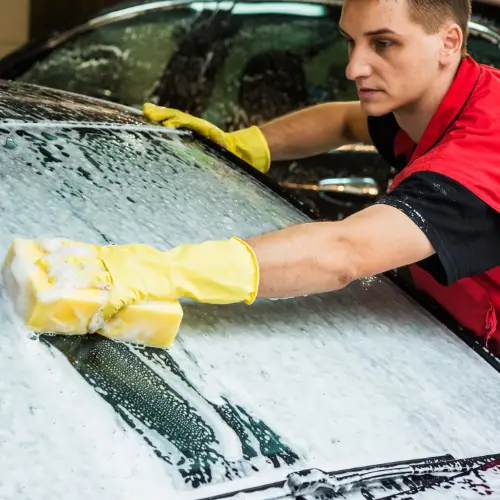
[121,61]
[484,41]
[269,58]
[283,58]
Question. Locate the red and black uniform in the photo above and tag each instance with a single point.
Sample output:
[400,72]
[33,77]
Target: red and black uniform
[449,185]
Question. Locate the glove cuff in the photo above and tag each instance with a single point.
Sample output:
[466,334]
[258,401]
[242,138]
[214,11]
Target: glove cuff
[256,277]
[251,145]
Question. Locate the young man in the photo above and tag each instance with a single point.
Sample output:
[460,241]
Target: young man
[431,112]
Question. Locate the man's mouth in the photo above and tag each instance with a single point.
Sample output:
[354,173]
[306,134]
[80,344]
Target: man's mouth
[367,93]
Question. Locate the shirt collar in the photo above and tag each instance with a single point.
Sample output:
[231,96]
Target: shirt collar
[451,106]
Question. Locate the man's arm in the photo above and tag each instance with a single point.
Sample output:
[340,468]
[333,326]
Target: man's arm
[324,256]
[305,133]
[315,130]
[300,260]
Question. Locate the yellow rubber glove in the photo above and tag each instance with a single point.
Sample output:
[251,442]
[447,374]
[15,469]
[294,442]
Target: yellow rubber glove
[249,144]
[216,272]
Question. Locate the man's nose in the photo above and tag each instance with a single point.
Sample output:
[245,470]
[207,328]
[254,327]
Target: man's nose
[358,66]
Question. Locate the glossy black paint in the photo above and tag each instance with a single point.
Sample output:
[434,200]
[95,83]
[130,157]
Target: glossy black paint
[22,100]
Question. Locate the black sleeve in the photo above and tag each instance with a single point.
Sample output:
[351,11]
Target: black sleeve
[463,230]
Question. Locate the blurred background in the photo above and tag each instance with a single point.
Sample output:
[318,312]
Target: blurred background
[29,19]
[48,15]
[15,26]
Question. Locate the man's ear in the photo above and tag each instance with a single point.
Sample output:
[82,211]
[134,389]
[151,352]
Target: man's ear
[452,37]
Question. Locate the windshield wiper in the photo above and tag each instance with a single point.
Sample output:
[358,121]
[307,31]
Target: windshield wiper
[311,481]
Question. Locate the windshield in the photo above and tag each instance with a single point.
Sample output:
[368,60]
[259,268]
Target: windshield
[356,377]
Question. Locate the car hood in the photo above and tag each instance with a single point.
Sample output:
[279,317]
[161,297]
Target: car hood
[361,376]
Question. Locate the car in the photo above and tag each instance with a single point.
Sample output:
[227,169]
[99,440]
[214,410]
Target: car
[364,383]
[233,63]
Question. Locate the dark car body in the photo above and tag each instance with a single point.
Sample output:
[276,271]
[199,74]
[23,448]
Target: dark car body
[233,63]
[246,395]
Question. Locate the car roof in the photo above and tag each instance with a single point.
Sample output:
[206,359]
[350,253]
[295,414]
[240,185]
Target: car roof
[29,102]
[356,377]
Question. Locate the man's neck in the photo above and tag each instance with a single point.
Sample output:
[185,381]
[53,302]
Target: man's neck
[415,117]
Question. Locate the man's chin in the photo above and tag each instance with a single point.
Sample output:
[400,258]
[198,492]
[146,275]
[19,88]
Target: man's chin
[375,109]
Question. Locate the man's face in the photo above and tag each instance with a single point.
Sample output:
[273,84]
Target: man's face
[393,60]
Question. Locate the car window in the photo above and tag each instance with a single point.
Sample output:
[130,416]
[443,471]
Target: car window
[271,58]
[360,376]
[121,61]
[484,41]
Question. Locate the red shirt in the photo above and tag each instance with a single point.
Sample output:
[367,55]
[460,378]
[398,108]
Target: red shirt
[460,148]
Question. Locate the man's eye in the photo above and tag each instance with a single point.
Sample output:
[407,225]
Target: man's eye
[383,44]
[350,48]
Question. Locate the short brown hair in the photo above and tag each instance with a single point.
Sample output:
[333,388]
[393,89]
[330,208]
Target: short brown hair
[432,13]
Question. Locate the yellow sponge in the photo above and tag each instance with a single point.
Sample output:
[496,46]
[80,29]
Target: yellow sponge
[47,308]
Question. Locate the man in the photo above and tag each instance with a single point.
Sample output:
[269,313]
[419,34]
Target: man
[431,111]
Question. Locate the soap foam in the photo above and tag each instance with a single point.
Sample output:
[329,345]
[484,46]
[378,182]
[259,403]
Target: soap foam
[16,278]
[357,377]
[58,439]
[65,272]
[228,440]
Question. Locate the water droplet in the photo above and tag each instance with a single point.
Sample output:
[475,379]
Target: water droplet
[10,144]
[49,137]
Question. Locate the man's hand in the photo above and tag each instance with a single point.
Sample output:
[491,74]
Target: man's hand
[248,144]
[217,272]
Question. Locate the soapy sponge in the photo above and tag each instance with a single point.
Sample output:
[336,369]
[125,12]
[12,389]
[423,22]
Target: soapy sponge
[46,307]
